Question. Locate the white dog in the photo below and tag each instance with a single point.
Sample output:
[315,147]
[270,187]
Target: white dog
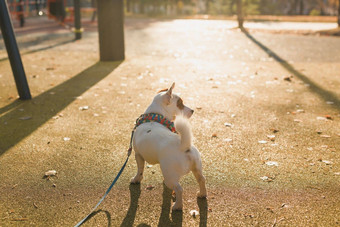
[155,143]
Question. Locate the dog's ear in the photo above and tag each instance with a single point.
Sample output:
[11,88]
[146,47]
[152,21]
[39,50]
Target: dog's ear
[168,94]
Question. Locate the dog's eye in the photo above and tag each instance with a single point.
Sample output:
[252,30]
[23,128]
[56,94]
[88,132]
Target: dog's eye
[180,104]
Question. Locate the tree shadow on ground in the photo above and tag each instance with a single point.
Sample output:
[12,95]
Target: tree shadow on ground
[16,125]
[38,41]
[10,106]
[321,92]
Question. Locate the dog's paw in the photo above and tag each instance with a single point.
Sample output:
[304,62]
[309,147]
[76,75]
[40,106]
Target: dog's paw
[135,180]
[177,207]
[201,195]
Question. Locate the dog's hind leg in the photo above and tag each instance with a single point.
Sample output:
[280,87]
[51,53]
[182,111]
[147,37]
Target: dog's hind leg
[171,180]
[140,169]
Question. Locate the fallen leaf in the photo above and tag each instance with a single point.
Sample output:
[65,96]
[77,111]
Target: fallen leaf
[287,78]
[274,130]
[25,118]
[150,187]
[50,173]
[272,163]
[249,215]
[321,118]
[227,124]
[57,116]
[214,135]
[271,137]
[267,179]
[228,140]
[270,209]
[284,205]
[329,117]
[84,108]
[327,162]
[194,213]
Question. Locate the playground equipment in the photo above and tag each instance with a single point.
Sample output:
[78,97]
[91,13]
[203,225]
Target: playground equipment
[13,52]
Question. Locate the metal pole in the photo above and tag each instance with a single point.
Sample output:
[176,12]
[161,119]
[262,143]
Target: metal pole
[111,29]
[77,19]
[13,52]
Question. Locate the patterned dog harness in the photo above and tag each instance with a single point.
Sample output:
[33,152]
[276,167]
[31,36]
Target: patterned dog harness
[152,117]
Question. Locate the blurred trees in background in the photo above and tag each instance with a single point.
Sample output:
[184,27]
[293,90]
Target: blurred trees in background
[229,7]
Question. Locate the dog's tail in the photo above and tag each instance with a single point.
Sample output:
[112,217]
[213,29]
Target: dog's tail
[183,128]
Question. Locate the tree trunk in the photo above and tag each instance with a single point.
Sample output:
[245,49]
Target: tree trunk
[207,6]
[301,7]
[111,30]
[339,14]
[239,14]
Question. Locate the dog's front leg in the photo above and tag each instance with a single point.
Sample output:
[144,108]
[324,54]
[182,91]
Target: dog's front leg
[140,169]
[196,169]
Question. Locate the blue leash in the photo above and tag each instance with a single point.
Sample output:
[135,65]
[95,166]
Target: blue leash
[109,189]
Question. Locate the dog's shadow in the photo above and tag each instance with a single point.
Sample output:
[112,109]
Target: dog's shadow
[203,209]
[131,213]
[176,216]
[164,220]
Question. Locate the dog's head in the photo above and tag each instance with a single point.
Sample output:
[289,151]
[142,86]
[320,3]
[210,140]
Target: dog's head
[172,104]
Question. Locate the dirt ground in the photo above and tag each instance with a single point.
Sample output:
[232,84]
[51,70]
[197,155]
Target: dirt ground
[266,121]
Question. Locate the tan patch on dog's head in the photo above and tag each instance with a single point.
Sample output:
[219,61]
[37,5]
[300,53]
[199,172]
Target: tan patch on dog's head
[180,104]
